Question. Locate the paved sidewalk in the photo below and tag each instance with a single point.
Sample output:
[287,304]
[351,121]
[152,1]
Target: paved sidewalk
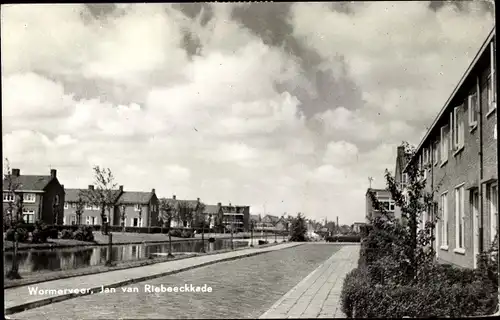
[19,299]
[318,294]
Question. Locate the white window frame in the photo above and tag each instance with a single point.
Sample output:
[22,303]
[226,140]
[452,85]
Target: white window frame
[95,208]
[492,199]
[458,132]
[460,218]
[132,222]
[8,197]
[73,205]
[137,207]
[436,153]
[29,212]
[87,220]
[444,144]
[472,106]
[88,206]
[490,94]
[66,205]
[29,198]
[444,221]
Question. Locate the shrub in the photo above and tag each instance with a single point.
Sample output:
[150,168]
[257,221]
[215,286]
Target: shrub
[66,234]
[262,242]
[187,234]
[53,233]
[447,291]
[176,233]
[41,233]
[21,232]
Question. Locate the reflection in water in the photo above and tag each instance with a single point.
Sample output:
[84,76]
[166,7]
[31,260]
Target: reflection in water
[73,258]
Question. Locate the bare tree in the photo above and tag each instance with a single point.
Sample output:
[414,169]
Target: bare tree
[80,206]
[185,211]
[103,194]
[14,203]
[166,215]
[202,217]
[123,217]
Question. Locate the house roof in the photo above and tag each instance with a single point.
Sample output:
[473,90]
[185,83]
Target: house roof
[211,209]
[29,182]
[72,194]
[448,104]
[255,217]
[271,218]
[134,197]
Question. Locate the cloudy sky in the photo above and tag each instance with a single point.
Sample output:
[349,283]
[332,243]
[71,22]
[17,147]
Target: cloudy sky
[284,107]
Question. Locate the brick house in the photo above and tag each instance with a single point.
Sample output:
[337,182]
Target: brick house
[42,196]
[180,214]
[91,214]
[459,155]
[270,222]
[385,198]
[136,209]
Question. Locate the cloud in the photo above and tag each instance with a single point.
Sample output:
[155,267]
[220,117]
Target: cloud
[203,105]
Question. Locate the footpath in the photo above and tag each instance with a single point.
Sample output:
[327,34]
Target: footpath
[19,299]
[318,294]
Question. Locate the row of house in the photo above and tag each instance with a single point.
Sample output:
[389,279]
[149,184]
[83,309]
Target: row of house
[45,199]
[459,159]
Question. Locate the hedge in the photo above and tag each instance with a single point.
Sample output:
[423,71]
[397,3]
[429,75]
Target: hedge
[450,292]
[342,238]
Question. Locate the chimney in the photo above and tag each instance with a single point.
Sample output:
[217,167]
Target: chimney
[62,185]
[173,197]
[16,172]
[120,188]
[198,199]
[53,173]
[91,187]
[219,204]
[153,190]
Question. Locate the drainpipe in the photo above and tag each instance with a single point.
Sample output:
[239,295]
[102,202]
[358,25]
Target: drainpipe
[480,185]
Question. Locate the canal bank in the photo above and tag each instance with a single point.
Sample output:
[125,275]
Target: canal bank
[18,299]
[44,265]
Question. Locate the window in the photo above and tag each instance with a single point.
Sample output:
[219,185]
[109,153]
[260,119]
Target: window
[472,109]
[137,207]
[56,200]
[104,219]
[444,143]
[387,204]
[458,129]
[459,218]
[491,96]
[87,220]
[88,206]
[135,222]
[72,220]
[426,156]
[8,197]
[29,216]
[95,207]
[29,197]
[66,205]
[73,205]
[492,198]
[436,153]
[444,220]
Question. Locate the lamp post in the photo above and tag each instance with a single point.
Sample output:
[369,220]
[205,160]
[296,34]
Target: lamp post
[251,233]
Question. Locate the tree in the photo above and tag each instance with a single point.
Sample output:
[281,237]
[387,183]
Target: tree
[123,216]
[80,207]
[14,204]
[166,216]
[298,229]
[185,212]
[402,243]
[201,215]
[103,194]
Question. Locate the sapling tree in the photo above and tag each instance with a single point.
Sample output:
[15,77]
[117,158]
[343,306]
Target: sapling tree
[80,207]
[14,206]
[400,243]
[166,215]
[104,192]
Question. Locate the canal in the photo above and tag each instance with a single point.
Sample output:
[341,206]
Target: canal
[32,261]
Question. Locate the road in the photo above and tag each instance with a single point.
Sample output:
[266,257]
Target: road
[243,288]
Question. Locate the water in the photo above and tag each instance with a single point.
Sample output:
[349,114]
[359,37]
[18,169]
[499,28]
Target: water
[73,258]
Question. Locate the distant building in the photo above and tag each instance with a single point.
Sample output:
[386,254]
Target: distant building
[236,217]
[42,197]
[356,226]
[385,198]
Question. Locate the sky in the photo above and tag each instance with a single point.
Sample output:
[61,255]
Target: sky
[284,107]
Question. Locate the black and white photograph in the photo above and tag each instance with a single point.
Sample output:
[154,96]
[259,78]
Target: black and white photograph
[250,160]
